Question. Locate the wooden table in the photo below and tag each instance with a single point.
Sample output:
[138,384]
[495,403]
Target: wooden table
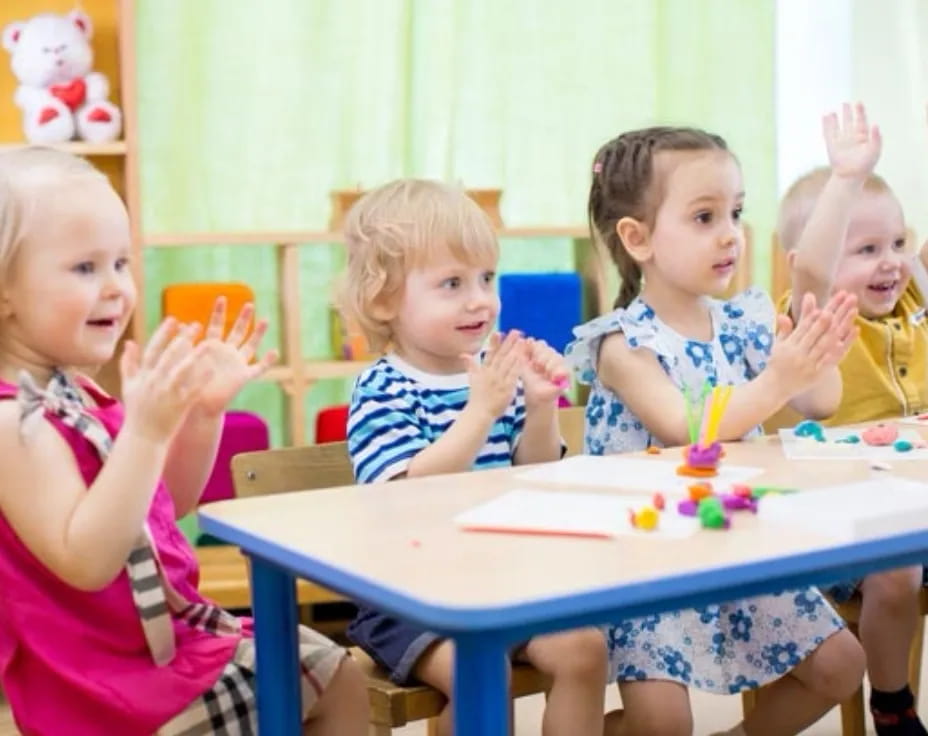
[395,547]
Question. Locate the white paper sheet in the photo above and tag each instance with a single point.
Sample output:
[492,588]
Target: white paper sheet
[872,508]
[634,474]
[806,448]
[525,511]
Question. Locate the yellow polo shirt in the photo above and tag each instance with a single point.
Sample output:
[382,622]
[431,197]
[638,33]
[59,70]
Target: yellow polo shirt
[885,373]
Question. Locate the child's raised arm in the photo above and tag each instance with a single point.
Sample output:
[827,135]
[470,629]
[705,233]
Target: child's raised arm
[801,359]
[84,535]
[231,359]
[853,150]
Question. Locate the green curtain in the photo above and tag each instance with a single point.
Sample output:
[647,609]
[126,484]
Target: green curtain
[248,118]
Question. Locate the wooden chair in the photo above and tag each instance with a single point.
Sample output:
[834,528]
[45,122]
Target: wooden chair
[325,466]
[854,710]
[570,420]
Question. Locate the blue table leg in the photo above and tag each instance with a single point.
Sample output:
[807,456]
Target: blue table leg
[277,666]
[481,687]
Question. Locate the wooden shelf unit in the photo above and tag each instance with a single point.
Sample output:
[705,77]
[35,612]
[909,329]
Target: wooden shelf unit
[296,374]
[113,45]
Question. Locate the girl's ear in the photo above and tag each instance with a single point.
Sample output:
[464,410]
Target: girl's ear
[790,257]
[634,236]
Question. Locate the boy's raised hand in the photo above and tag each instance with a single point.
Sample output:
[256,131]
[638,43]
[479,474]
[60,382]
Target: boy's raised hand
[545,374]
[853,145]
[493,382]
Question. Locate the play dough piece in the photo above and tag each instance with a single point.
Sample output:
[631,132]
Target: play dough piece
[880,435]
[809,428]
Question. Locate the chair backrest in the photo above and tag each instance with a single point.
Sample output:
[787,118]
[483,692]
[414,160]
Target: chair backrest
[570,420]
[193,302]
[310,467]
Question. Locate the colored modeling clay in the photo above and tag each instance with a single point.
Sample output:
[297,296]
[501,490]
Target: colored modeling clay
[732,502]
[742,490]
[699,491]
[687,507]
[645,518]
[712,515]
[653,450]
[902,446]
[658,501]
[880,435]
[851,439]
[808,428]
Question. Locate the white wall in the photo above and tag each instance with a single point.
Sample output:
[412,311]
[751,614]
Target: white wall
[875,51]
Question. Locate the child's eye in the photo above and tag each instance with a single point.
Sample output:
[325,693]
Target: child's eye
[736,214]
[122,264]
[489,277]
[704,217]
[453,283]
[899,244]
[84,267]
[868,249]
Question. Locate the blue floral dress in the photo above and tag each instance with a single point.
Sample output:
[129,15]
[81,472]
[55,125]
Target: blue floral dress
[727,647]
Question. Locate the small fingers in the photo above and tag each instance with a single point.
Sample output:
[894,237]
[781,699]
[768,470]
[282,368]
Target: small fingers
[237,334]
[159,341]
[217,319]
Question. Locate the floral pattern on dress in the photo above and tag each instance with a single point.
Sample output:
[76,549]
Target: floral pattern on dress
[732,646]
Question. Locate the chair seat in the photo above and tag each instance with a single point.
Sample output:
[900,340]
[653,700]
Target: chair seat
[393,705]
[224,580]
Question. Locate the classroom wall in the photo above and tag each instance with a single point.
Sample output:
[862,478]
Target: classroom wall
[248,119]
[831,51]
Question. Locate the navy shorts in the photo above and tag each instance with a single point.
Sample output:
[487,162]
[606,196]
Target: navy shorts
[394,644]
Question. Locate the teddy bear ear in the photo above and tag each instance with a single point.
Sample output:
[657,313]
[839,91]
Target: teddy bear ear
[12,34]
[82,21]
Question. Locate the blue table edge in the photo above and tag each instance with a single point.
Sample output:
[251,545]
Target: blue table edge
[713,585]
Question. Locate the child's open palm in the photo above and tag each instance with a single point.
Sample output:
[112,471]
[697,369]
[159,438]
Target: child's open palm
[230,358]
[159,382]
[819,340]
[545,372]
[853,145]
[493,381]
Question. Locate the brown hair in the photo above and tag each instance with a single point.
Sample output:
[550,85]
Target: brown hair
[623,186]
[400,226]
[799,201]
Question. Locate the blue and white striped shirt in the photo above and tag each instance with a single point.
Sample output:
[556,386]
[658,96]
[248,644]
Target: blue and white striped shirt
[398,410]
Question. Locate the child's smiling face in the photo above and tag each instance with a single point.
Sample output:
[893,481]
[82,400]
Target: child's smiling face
[874,263]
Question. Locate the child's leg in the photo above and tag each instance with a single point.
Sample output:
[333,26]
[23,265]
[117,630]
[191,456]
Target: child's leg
[888,618]
[651,707]
[436,668]
[828,676]
[576,662]
[342,709]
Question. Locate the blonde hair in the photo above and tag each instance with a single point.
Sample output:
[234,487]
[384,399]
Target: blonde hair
[799,201]
[400,226]
[27,179]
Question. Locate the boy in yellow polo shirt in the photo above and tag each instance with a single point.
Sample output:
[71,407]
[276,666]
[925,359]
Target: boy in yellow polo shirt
[843,228]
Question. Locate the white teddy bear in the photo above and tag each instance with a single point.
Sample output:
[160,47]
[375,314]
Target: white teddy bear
[61,98]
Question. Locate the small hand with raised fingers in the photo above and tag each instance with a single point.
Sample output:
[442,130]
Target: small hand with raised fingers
[160,383]
[231,356]
[493,382]
[801,352]
[843,309]
[545,374]
[853,145]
